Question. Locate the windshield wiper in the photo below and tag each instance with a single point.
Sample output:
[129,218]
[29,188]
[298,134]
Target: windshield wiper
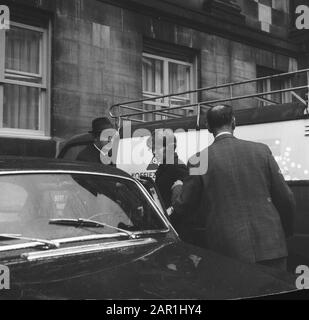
[47,244]
[86,223]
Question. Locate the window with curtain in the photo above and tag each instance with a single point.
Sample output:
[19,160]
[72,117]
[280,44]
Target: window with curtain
[23,80]
[273,84]
[162,76]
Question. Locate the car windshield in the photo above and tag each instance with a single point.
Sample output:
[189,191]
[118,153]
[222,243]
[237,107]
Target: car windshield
[28,202]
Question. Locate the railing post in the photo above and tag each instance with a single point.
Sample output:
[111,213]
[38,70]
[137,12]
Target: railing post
[198,116]
[231,91]
[119,122]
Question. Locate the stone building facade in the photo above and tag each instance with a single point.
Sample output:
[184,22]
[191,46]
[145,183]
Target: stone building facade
[67,61]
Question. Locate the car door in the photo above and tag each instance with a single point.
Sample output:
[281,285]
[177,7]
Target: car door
[88,261]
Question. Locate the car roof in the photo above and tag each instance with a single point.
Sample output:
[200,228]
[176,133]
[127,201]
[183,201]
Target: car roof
[12,163]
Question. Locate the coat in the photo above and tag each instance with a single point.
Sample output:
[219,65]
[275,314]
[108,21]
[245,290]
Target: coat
[242,201]
[166,176]
[89,154]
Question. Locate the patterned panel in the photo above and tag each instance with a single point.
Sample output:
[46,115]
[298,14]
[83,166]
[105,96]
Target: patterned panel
[266,15]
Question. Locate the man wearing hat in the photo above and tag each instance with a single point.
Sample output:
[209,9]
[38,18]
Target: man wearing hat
[100,150]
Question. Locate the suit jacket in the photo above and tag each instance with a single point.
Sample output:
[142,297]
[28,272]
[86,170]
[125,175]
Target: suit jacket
[242,200]
[167,175]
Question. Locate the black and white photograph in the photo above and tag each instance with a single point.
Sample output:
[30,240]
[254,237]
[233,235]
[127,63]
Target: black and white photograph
[154,150]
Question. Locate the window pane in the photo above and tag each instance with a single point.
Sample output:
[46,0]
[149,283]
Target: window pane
[277,84]
[21,107]
[152,75]
[272,85]
[179,77]
[179,81]
[151,116]
[161,76]
[23,50]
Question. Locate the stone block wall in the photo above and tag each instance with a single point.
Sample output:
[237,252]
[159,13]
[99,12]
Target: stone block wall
[97,51]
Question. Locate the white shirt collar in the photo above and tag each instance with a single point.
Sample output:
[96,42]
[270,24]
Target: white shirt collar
[222,133]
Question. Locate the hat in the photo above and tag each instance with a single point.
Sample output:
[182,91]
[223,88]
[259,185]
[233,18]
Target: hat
[100,124]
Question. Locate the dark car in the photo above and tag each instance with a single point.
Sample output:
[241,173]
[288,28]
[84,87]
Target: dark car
[73,231]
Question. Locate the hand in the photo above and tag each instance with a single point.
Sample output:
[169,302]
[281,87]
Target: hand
[170,211]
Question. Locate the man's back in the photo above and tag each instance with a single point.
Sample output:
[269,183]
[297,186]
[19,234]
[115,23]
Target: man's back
[239,197]
[237,172]
[89,154]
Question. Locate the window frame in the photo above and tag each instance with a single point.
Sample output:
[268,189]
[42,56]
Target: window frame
[43,131]
[285,82]
[165,85]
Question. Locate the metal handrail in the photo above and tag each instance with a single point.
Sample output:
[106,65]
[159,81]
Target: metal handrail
[216,101]
[161,111]
[166,112]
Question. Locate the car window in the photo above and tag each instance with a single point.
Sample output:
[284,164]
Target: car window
[29,201]
[12,199]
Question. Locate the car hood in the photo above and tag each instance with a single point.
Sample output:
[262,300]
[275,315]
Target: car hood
[182,271]
[159,270]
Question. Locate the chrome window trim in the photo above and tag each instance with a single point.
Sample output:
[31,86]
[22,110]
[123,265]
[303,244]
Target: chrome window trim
[91,237]
[171,227]
[98,247]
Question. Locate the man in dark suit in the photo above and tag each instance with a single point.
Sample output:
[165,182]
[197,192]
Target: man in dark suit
[243,200]
[100,150]
[170,173]
[171,169]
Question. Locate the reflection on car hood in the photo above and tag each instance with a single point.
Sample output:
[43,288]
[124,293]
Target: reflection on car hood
[184,271]
[157,270]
